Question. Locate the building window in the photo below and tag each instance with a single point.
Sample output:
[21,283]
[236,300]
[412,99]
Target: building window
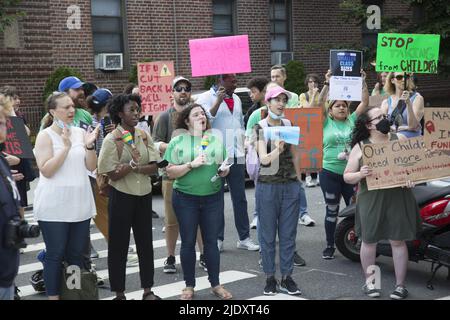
[224,17]
[280,25]
[107,26]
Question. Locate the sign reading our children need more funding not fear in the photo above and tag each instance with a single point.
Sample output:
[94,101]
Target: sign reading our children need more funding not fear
[417,53]
[394,163]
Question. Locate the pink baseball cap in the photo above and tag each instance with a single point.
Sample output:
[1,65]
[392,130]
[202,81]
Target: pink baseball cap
[275,92]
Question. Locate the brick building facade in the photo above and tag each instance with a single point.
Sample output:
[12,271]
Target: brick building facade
[160,29]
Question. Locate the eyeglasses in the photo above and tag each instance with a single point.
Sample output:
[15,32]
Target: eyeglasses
[380,117]
[186,89]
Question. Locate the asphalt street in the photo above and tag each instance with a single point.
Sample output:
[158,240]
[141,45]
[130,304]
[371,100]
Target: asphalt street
[338,279]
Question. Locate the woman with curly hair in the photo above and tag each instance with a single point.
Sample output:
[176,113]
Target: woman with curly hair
[386,214]
[128,163]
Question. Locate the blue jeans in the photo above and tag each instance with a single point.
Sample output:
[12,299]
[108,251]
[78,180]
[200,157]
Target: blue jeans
[333,188]
[64,241]
[303,202]
[278,211]
[236,183]
[192,211]
[7,293]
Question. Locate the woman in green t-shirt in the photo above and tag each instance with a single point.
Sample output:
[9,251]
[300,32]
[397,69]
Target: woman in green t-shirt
[337,130]
[194,157]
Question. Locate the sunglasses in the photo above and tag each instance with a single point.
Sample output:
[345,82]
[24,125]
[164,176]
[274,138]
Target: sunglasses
[400,77]
[180,89]
[380,117]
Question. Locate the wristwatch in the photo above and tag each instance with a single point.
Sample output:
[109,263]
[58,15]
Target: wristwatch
[90,148]
[133,164]
[189,165]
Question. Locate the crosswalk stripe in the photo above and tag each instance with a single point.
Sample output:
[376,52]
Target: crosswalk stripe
[174,289]
[28,290]
[41,245]
[101,254]
[31,221]
[278,296]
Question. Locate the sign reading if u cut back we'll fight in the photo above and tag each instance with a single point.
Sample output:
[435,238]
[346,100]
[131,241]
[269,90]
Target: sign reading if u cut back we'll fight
[418,53]
[221,55]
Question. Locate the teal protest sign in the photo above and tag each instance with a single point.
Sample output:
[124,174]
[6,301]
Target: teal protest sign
[418,53]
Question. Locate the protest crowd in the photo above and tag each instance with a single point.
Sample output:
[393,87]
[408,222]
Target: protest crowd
[97,151]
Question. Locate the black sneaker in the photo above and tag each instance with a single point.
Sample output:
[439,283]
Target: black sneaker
[202,262]
[271,286]
[16,293]
[299,261]
[328,253]
[399,293]
[289,286]
[169,265]
[154,215]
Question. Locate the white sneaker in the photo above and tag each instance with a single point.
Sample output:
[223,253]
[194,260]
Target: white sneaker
[247,244]
[132,260]
[254,223]
[220,245]
[309,183]
[306,220]
[163,229]
[318,181]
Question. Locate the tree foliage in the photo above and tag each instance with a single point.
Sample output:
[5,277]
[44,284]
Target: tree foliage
[295,81]
[429,17]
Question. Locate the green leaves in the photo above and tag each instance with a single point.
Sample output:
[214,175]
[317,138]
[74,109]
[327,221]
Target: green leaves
[8,13]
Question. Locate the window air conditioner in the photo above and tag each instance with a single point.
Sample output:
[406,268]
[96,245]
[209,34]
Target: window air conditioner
[109,61]
[282,57]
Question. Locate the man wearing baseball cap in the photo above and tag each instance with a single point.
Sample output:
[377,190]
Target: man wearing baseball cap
[162,135]
[74,88]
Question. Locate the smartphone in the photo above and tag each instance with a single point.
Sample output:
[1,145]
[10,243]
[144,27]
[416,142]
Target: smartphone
[162,164]
[106,121]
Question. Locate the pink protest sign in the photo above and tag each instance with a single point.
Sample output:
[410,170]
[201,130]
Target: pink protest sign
[220,55]
[155,86]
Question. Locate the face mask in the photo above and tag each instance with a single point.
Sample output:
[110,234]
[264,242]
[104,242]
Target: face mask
[275,116]
[383,126]
[61,124]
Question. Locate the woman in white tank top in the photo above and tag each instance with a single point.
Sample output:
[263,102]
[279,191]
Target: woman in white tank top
[63,201]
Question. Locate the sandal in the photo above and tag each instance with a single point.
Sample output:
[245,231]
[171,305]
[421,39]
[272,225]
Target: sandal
[187,293]
[220,292]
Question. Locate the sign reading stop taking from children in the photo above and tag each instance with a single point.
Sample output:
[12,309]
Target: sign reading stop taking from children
[418,53]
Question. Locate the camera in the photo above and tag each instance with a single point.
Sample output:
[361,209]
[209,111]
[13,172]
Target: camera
[16,230]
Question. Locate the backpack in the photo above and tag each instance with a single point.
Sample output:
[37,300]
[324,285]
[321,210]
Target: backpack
[252,160]
[103,179]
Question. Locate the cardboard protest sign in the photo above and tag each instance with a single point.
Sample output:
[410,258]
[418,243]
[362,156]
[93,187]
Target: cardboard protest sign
[221,55]
[155,86]
[289,135]
[346,63]
[393,163]
[417,53]
[17,142]
[346,80]
[437,128]
[310,121]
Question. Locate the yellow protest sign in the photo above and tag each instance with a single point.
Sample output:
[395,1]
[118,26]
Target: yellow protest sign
[394,163]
